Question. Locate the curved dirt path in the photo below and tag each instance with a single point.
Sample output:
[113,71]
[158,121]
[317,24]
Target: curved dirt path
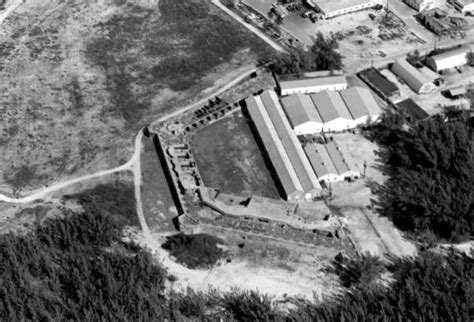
[132,165]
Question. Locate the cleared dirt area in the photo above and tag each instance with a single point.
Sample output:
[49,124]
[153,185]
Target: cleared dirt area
[369,231]
[80,78]
[229,158]
[157,202]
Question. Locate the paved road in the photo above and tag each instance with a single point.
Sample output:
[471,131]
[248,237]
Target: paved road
[253,29]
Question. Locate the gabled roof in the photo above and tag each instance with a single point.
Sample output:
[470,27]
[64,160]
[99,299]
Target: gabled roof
[337,157]
[320,160]
[409,74]
[452,53]
[354,102]
[300,109]
[330,106]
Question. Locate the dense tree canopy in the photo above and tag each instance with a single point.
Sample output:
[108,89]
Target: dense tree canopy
[322,55]
[430,165]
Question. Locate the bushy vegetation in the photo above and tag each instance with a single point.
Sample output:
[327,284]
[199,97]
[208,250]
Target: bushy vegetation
[194,251]
[430,167]
[76,268]
[173,46]
[364,271]
[431,287]
[322,55]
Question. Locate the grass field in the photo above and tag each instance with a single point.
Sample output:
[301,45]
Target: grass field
[158,204]
[80,78]
[228,158]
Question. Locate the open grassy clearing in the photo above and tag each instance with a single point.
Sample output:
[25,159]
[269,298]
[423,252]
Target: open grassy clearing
[79,79]
[229,159]
[158,204]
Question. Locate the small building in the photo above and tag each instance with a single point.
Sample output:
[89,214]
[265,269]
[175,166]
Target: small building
[379,83]
[312,85]
[330,9]
[464,5]
[412,111]
[330,163]
[418,82]
[456,92]
[449,59]
[421,5]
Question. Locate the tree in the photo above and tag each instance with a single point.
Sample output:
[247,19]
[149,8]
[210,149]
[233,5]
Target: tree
[431,175]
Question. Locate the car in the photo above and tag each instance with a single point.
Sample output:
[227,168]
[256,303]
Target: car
[372,16]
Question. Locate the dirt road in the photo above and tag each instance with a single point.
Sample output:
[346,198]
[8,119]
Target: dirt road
[253,29]
[11,6]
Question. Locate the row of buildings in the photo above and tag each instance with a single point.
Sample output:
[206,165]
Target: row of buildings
[298,180]
[330,111]
[300,171]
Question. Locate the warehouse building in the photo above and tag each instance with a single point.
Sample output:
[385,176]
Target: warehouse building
[312,85]
[361,104]
[330,111]
[302,114]
[379,83]
[286,154]
[418,82]
[275,150]
[333,8]
[333,111]
[330,163]
[450,59]
[421,5]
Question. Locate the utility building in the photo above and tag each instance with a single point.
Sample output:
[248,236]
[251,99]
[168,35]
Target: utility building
[418,82]
[450,59]
[312,85]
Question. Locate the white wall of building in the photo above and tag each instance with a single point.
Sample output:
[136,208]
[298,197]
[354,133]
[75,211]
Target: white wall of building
[346,10]
[313,89]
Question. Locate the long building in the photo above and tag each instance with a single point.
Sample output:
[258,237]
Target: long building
[330,111]
[449,59]
[333,8]
[464,5]
[283,148]
[275,150]
[330,163]
[312,85]
[418,82]
[305,173]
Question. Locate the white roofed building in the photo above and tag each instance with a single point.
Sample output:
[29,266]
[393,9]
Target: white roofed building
[333,111]
[421,5]
[418,82]
[361,104]
[333,8]
[312,85]
[302,114]
[450,59]
[464,5]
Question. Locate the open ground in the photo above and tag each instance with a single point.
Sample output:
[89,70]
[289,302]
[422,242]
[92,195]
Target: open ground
[79,79]
[229,158]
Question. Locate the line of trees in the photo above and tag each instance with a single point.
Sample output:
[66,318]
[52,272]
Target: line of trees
[322,55]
